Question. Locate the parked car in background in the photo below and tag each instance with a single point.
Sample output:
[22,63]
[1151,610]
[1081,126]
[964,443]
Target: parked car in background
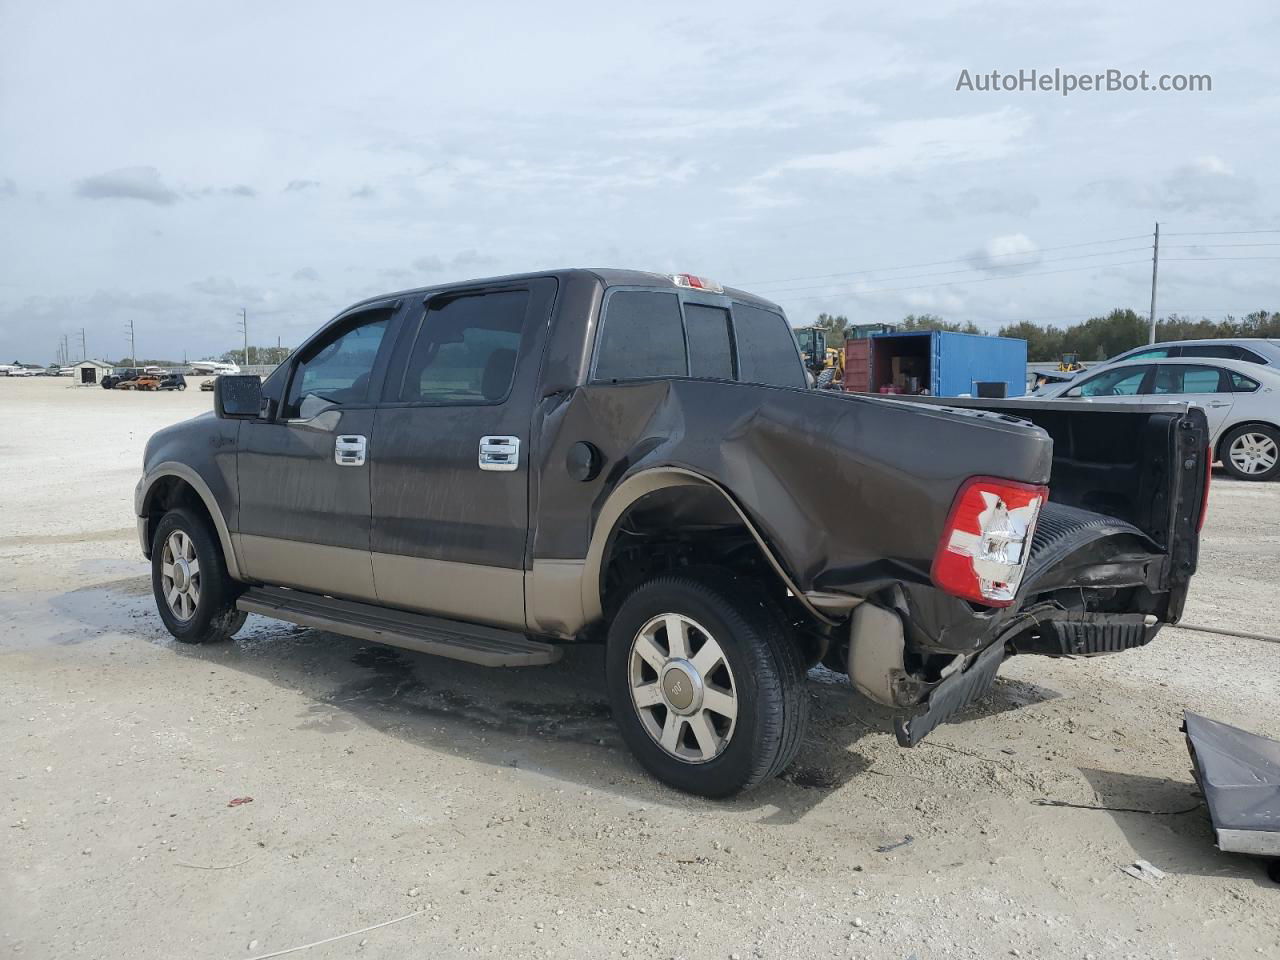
[144,381]
[209,384]
[1250,350]
[121,375]
[173,381]
[1240,397]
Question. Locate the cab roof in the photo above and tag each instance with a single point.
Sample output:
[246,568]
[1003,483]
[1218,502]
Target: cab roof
[608,276]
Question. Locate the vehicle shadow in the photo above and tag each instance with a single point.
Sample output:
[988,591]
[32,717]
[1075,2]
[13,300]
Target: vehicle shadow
[1171,829]
[553,719]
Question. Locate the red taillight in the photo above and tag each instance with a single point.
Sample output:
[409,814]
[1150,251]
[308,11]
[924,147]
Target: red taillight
[1204,497]
[984,546]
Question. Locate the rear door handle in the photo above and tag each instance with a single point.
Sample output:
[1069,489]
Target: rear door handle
[349,451]
[499,453]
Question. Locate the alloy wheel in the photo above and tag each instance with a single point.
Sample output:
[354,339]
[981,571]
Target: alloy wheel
[180,575]
[1253,453]
[682,688]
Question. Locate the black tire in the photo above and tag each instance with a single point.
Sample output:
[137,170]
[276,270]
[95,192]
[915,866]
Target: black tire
[768,673]
[214,616]
[1224,451]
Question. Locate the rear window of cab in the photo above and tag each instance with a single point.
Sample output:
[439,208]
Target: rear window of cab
[647,334]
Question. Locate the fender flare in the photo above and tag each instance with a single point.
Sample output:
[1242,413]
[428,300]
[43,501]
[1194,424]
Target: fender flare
[185,473]
[642,484]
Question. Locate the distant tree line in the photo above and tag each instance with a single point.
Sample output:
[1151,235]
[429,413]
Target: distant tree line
[1094,339]
[257,355]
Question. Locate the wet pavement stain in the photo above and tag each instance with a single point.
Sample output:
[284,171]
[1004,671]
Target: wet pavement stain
[385,698]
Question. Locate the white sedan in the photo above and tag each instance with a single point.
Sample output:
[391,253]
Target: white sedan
[1241,400]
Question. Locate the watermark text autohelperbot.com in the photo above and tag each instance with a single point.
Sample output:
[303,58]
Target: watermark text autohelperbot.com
[1065,83]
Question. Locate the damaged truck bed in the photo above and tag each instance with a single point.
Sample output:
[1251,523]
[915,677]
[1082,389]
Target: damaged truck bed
[491,469]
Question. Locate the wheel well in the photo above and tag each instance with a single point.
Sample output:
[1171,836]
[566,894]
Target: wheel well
[1217,453]
[684,526]
[166,494]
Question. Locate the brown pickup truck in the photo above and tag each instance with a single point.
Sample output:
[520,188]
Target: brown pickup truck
[493,469]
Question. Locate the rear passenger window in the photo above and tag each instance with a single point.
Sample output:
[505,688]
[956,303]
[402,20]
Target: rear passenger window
[766,349]
[641,337]
[1242,384]
[1222,351]
[710,349]
[466,349]
[1187,379]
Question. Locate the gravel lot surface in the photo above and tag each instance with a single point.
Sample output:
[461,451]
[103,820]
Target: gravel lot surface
[501,811]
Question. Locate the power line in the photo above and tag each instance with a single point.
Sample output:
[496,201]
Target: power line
[953,283]
[941,263]
[1218,233]
[1201,246]
[1191,259]
[952,273]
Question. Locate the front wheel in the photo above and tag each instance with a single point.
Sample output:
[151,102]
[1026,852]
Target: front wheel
[1252,452]
[706,682]
[194,594]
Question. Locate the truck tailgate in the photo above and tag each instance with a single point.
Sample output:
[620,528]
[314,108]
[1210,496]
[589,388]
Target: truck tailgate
[1136,469]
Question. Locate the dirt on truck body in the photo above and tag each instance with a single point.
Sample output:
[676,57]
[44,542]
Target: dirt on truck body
[489,470]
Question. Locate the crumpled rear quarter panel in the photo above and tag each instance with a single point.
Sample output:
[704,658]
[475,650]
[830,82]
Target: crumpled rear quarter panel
[851,492]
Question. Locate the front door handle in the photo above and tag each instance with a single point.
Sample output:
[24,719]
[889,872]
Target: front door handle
[499,453]
[349,451]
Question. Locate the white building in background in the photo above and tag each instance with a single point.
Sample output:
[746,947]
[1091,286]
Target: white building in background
[89,373]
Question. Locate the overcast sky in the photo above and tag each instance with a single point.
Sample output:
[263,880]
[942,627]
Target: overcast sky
[170,163]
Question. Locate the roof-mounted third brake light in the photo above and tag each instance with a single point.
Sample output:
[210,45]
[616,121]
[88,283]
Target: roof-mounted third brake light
[696,283]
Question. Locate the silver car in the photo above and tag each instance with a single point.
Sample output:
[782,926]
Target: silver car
[1249,349]
[1241,399]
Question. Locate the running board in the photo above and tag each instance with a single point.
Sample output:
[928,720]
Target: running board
[486,646]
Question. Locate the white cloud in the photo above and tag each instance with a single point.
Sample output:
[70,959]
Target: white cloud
[1014,251]
[913,145]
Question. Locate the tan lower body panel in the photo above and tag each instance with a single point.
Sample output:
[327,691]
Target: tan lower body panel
[467,591]
[553,597]
[338,571]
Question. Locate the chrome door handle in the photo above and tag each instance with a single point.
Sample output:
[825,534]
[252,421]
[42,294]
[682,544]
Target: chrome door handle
[499,453]
[349,451]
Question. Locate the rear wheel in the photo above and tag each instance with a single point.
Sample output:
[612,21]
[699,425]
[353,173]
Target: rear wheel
[1252,452]
[194,594]
[706,682]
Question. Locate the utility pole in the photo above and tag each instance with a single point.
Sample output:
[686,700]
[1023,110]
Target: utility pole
[1155,266]
[244,325]
[133,349]
[84,354]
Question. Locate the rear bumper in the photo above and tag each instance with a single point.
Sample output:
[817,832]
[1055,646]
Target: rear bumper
[951,695]
[1093,584]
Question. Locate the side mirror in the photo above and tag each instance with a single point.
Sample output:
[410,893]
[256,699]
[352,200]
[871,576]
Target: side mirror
[1073,392]
[237,397]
